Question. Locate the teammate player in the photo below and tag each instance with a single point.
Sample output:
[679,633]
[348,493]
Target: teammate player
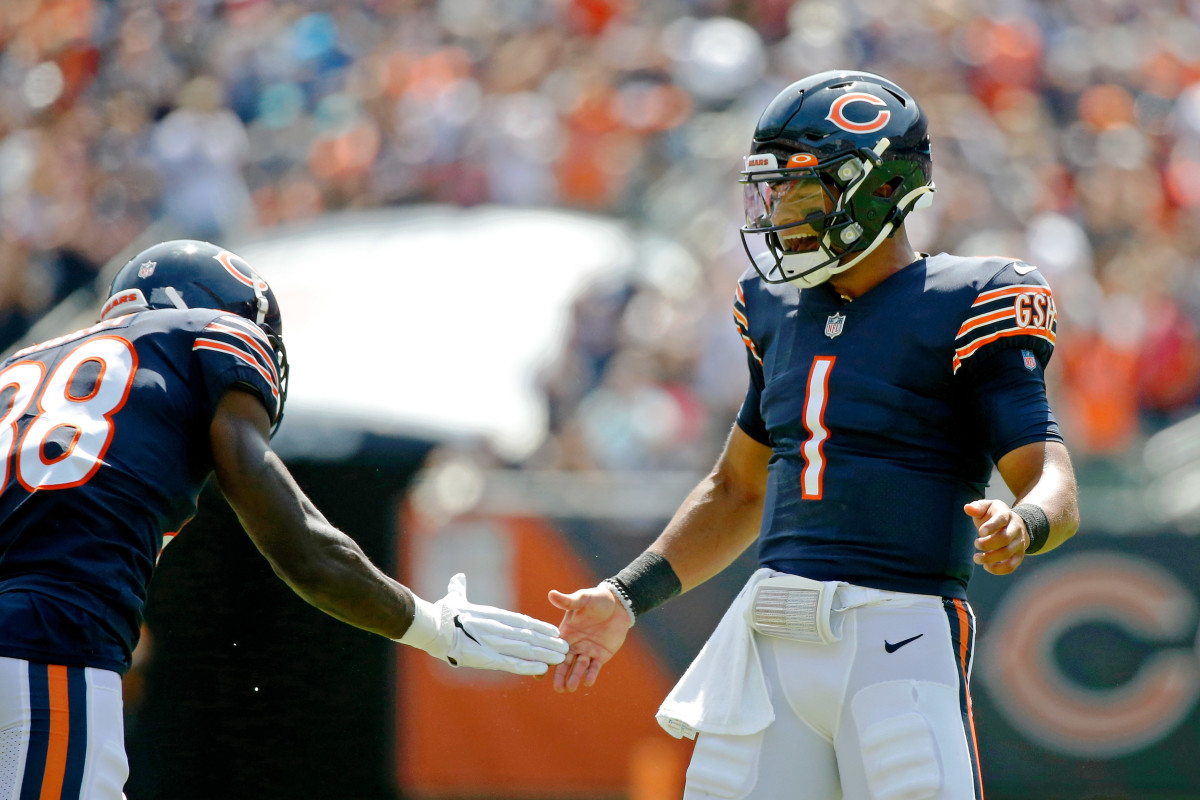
[884,386]
[106,437]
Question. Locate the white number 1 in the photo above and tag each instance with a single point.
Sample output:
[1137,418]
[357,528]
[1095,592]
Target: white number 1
[816,395]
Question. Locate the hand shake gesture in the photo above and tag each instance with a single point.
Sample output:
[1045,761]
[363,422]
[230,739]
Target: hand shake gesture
[595,625]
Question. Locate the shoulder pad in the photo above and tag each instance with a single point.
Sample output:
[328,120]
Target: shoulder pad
[1014,307]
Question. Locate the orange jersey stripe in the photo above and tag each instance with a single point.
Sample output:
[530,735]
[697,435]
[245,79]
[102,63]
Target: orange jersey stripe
[248,339]
[210,344]
[245,325]
[964,643]
[966,352]
[752,348]
[741,320]
[1008,291]
[60,734]
[964,636]
[963,353]
[985,319]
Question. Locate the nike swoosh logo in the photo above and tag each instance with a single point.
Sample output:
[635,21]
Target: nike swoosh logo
[891,648]
[458,624]
[1023,269]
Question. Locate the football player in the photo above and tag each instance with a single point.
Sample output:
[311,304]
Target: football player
[107,436]
[884,386]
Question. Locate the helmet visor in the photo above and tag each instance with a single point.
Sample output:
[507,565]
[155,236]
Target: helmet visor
[793,206]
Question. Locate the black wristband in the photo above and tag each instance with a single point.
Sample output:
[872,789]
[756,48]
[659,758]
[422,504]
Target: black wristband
[1038,524]
[648,582]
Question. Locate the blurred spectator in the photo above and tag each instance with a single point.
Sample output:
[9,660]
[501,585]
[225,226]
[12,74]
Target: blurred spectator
[1070,138]
[198,150]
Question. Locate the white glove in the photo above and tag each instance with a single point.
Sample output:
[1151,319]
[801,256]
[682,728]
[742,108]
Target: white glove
[483,637]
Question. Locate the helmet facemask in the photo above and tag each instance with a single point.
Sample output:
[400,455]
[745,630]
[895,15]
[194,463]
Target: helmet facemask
[281,364]
[821,218]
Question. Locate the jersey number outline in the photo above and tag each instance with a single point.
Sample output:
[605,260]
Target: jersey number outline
[90,416]
[816,398]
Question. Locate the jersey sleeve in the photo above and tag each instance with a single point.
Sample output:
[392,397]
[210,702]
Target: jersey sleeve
[749,417]
[1013,310]
[234,352]
[1009,401]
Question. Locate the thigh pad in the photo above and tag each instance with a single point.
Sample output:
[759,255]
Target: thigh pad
[723,766]
[900,753]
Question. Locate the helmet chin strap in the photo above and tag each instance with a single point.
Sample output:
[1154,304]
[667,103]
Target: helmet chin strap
[175,298]
[813,277]
[921,197]
[264,305]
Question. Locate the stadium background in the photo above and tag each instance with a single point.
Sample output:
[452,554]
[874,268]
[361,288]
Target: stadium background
[1066,133]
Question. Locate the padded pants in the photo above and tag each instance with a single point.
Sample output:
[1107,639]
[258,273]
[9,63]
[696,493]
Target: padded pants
[869,717]
[61,732]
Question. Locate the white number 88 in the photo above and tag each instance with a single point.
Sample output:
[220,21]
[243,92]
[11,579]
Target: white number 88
[88,416]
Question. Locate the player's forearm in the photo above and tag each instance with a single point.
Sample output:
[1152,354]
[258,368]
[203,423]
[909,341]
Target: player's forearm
[319,562]
[717,521]
[713,526]
[334,575]
[1055,492]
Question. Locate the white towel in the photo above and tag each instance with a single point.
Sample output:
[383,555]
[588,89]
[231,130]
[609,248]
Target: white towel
[723,691]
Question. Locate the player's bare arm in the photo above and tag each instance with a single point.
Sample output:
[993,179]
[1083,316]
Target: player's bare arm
[329,570]
[721,516]
[1042,480]
[717,521]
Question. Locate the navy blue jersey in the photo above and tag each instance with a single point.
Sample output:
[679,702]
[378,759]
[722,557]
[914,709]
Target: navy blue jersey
[104,438]
[886,414]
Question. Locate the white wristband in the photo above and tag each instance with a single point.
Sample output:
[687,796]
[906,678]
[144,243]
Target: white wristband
[423,631]
[616,590]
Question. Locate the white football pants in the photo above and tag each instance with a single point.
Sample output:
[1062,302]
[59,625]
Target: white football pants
[61,733]
[882,714]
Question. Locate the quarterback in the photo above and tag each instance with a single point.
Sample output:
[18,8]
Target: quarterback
[108,435]
[885,385]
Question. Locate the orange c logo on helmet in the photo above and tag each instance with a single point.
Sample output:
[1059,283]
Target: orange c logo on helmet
[802,160]
[837,113]
[225,258]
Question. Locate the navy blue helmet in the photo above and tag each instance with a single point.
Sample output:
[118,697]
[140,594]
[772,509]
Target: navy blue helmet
[837,162]
[186,273]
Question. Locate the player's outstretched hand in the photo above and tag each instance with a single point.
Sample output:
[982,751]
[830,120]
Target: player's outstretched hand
[595,625]
[464,634]
[1002,536]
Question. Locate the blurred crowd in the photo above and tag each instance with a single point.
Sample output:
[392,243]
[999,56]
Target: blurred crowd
[1065,132]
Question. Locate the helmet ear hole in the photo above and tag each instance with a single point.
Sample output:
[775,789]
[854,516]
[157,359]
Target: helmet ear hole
[889,188]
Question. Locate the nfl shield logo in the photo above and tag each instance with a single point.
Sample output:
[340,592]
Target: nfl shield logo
[833,325]
[1030,361]
[147,269]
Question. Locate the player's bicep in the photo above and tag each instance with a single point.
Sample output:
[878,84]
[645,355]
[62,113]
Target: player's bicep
[749,416]
[743,463]
[252,477]
[1008,402]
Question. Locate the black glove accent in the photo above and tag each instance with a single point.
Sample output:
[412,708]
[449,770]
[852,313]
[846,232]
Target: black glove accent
[458,624]
[1038,524]
[648,582]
